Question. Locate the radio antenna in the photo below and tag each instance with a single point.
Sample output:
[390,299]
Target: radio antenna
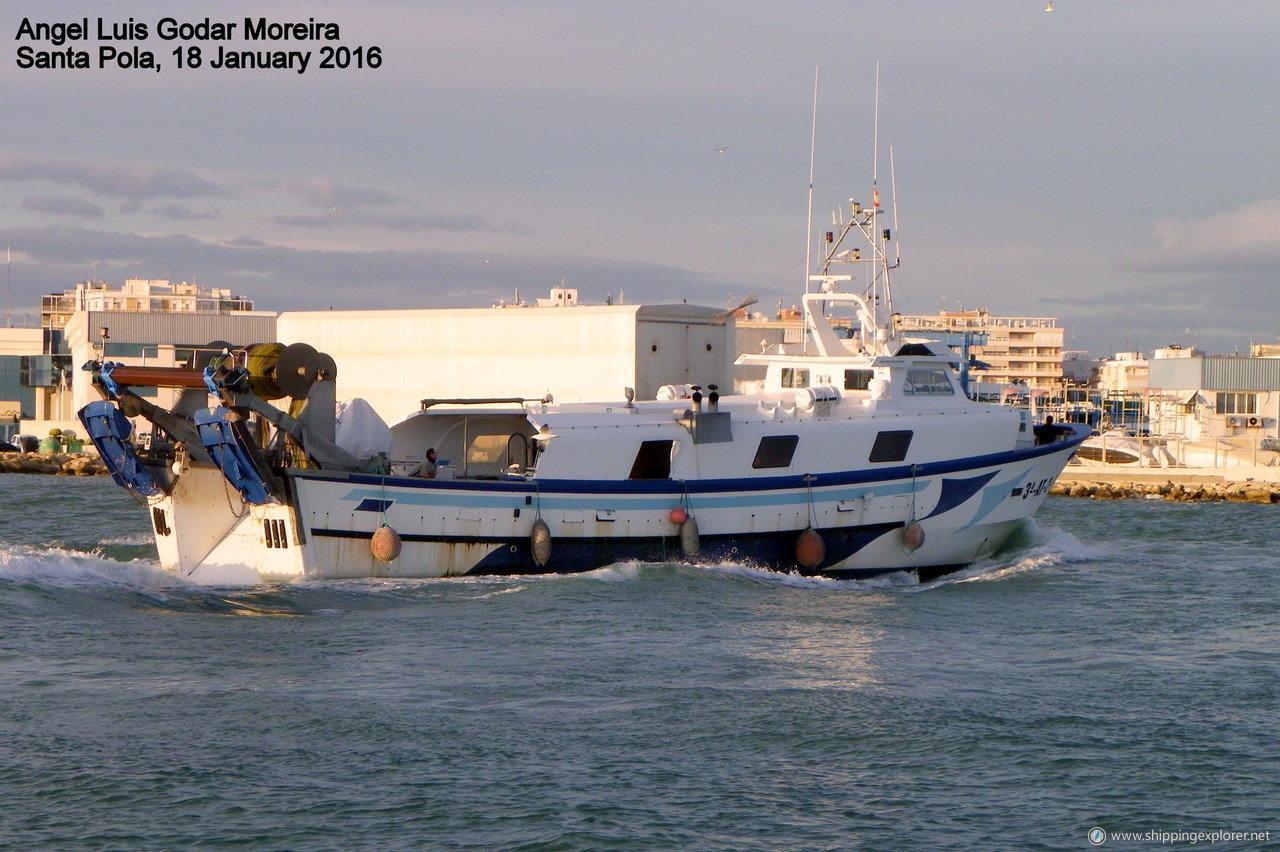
[875,132]
[893,197]
[813,147]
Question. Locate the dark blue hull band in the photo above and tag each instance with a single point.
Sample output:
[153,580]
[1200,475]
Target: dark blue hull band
[772,551]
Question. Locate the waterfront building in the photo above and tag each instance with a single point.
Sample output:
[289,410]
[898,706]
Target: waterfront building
[1023,351]
[144,321]
[1078,368]
[1217,397]
[1126,372]
[18,346]
[574,352]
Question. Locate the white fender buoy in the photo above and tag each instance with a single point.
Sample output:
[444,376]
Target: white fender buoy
[385,544]
[689,541]
[540,542]
[912,536]
[678,515]
[810,549]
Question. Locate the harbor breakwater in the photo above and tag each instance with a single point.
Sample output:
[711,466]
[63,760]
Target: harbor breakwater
[1190,489]
[57,464]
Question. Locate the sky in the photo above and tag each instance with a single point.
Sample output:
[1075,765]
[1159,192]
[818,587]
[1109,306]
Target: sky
[1110,164]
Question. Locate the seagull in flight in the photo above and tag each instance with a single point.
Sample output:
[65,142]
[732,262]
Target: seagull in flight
[722,149]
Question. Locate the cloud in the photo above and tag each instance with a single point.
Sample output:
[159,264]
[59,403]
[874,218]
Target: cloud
[179,211]
[1246,239]
[114,181]
[390,221]
[62,205]
[318,192]
[288,278]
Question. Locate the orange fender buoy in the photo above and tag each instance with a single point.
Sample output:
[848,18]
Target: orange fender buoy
[810,549]
[540,542]
[912,536]
[385,544]
[678,515]
[690,543]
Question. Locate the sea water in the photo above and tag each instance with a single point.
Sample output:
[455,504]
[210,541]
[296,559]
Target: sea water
[1115,668]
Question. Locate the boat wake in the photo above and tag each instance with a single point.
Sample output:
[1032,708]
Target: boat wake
[1033,550]
[56,566]
[739,571]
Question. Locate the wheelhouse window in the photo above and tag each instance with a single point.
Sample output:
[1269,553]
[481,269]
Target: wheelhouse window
[653,460]
[795,377]
[931,381]
[891,446]
[775,451]
[858,379]
[1237,403]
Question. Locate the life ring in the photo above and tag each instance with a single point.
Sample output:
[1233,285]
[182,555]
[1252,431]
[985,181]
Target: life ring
[540,542]
[810,548]
[385,544]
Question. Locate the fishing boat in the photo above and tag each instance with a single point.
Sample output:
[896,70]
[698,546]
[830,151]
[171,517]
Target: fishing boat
[859,455]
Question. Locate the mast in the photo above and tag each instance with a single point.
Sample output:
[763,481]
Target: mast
[875,312]
[808,227]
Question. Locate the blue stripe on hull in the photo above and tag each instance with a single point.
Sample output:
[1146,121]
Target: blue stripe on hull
[773,551]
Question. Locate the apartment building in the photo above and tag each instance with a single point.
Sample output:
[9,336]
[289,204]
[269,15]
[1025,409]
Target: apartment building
[1013,350]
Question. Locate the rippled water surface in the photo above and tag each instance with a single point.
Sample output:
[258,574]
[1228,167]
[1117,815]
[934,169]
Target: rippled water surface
[1115,667]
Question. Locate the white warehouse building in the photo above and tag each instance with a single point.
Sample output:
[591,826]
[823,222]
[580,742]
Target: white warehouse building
[396,358]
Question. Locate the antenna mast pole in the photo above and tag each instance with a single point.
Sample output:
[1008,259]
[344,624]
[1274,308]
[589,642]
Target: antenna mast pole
[879,249]
[875,133]
[893,198]
[813,147]
[808,227]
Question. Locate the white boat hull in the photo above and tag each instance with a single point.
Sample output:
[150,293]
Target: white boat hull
[966,509]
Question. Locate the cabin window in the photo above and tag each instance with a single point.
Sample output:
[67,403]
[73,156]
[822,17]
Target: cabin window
[653,461]
[857,379]
[795,377]
[891,446]
[922,381]
[775,451]
[1237,403]
[487,450]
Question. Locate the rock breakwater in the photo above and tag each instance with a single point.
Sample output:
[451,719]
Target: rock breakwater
[1227,492]
[56,464]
